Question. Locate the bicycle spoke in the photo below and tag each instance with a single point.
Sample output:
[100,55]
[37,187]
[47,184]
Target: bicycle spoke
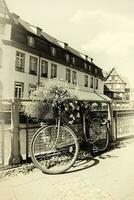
[54,152]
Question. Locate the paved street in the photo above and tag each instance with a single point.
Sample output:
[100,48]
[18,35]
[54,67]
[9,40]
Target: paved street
[109,176]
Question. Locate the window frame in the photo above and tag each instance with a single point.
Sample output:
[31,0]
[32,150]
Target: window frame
[85,80]
[91,82]
[31,88]
[96,70]
[85,66]
[34,63]
[44,64]
[68,75]
[31,41]
[89,68]
[67,56]
[20,58]
[73,60]
[20,89]
[74,77]
[53,70]
[96,84]
[53,51]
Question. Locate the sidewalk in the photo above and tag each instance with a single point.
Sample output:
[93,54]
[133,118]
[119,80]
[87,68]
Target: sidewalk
[106,177]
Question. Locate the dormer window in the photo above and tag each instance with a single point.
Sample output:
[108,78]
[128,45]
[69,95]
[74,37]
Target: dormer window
[89,67]
[31,41]
[53,51]
[73,60]
[96,70]
[85,66]
[67,57]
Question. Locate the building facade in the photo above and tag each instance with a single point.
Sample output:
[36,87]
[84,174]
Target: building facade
[28,55]
[115,86]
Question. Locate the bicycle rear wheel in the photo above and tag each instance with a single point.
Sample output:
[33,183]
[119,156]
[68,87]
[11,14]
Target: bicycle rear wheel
[54,152]
[99,135]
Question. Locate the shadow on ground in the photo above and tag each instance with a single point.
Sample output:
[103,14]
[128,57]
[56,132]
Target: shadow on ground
[83,162]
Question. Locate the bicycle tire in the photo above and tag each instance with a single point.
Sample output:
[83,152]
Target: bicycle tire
[51,157]
[99,135]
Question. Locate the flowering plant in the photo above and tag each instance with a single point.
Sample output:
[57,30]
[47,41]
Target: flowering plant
[40,104]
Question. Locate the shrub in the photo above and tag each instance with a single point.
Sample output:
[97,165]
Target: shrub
[40,101]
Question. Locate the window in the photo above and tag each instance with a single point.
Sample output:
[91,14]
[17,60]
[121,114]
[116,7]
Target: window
[18,90]
[67,57]
[2,10]
[89,68]
[85,81]
[96,70]
[31,88]
[68,75]
[33,65]
[91,82]
[53,51]
[114,95]
[73,60]
[44,68]
[53,71]
[96,84]
[20,61]
[85,66]
[0,57]
[112,77]
[74,77]
[31,41]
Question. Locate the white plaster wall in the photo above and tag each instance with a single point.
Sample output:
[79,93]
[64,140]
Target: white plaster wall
[10,75]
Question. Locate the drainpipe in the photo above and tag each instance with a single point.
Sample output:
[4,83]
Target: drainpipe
[39,69]
[39,34]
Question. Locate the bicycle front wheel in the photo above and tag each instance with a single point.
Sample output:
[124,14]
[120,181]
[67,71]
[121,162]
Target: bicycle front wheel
[54,151]
[99,135]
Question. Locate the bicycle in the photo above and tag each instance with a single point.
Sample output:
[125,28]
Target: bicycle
[55,146]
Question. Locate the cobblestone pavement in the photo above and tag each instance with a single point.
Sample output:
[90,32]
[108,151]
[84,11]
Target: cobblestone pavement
[106,177]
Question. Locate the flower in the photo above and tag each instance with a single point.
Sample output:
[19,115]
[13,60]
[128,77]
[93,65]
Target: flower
[47,92]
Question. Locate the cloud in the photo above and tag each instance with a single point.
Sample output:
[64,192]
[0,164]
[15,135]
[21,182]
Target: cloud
[117,44]
[109,33]
[106,19]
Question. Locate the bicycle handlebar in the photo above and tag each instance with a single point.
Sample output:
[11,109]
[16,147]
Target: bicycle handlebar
[59,97]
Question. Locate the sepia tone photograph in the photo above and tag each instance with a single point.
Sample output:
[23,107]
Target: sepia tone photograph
[66,100]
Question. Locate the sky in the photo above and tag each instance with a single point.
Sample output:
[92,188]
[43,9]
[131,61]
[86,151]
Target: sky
[102,29]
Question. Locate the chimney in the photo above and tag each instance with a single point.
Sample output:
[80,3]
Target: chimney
[65,46]
[39,31]
[92,60]
[86,57]
[15,16]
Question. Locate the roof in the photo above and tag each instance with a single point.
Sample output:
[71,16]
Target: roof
[33,29]
[90,96]
[115,72]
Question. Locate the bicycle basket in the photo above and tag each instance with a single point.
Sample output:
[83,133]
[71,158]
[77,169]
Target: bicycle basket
[46,112]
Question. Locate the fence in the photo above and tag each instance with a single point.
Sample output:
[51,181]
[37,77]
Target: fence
[124,123]
[15,138]
[5,131]
[27,130]
[123,119]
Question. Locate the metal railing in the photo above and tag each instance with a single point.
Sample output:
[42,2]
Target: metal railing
[121,115]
